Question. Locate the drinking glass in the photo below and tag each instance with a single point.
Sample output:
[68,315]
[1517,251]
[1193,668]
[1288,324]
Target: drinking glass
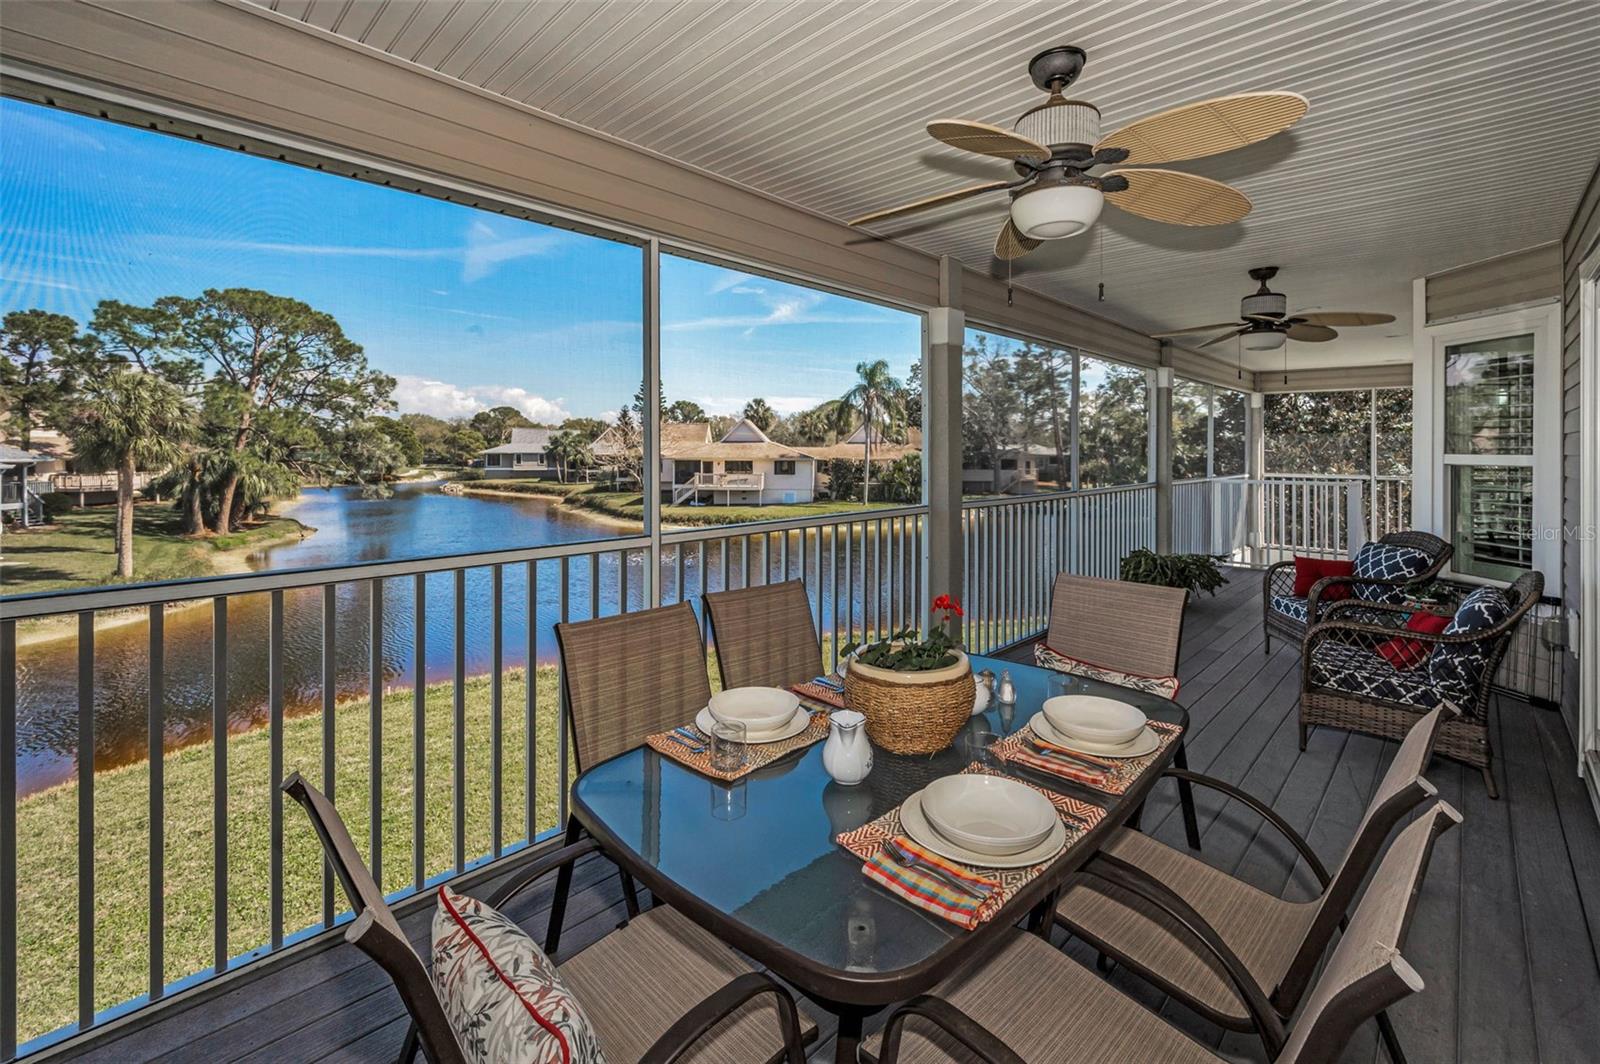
[977,748]
[728,750]
[729,801]
[1062,683]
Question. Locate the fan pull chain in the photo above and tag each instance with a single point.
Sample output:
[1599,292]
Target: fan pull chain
[1238,350]
[1100,239]
[1008,282]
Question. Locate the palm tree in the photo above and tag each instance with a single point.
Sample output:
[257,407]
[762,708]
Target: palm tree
[880,399]
[760,414]
[127,420]
[571,451]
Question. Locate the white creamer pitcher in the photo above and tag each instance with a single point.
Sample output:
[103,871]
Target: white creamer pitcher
[847,755]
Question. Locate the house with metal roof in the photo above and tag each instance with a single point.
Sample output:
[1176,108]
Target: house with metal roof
[526,455]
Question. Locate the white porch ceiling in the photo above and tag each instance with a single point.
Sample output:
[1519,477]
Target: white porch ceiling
[1440,133]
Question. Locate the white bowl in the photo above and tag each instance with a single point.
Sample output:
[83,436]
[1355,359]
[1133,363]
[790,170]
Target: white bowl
[988,814]
[1096,720]
[759,709]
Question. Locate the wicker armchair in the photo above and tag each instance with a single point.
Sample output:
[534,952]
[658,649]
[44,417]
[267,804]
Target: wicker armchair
[1346,683]
[1277,590]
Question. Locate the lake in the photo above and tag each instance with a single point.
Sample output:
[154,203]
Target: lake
[417,521]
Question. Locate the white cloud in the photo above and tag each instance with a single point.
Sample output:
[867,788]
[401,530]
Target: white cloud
[421,395]
[727,279]
[486,249]
[733,406]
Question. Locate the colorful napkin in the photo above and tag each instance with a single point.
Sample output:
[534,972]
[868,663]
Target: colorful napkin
[904,878]
[1118,775]
[867,841]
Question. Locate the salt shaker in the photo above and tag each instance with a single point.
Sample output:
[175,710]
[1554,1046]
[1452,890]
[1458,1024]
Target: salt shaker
[1006,692]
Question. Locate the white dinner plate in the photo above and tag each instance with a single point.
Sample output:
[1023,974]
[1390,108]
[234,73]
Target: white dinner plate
[760,709]
[1148,742]
[797,724]
[993,815]
[916,825]
[1092,719]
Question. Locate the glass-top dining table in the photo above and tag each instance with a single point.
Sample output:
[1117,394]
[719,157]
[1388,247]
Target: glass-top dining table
[755,861]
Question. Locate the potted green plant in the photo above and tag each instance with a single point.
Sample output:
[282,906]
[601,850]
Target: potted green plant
[1197,572]
[916,693]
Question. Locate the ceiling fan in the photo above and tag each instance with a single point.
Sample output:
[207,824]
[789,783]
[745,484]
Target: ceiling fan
[1264,323]
[1056,146]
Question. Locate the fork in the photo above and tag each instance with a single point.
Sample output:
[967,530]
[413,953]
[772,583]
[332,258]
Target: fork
[911,860]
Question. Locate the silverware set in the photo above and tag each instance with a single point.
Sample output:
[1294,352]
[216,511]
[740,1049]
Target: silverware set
[898,854]
[689,738]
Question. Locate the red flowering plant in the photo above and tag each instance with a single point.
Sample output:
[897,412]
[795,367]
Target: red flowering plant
[905,652]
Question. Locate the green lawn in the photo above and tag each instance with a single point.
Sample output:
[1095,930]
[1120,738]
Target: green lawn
[629,505]
[47,832]
[78,551]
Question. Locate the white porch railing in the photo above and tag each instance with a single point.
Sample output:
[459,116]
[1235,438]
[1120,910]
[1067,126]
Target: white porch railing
[718,482]
[1258,522]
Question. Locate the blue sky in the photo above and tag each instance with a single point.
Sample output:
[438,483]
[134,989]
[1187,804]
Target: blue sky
[465,308]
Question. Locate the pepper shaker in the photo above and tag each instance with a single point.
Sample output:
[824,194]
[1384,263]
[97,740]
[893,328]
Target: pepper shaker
[1006,693]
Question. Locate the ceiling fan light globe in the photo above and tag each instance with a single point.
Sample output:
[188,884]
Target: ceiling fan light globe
[1264,340]
[1054,212]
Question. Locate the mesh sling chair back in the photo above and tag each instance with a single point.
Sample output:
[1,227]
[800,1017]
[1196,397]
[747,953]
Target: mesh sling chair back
[624,678]
[1279,943]
[1117,624]
[657,989]
[1122,627]
[764,635]
[1286,615]
[1347,682]
[988,1014]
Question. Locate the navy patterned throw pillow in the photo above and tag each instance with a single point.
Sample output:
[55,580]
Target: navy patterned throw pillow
[1456,668]
[1380,561]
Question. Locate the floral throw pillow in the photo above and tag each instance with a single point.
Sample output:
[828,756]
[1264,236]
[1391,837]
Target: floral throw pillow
[1164,686]
[504,998]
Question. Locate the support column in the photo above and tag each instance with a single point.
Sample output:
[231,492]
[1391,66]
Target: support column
[1161,451]
[941,435]
[650,475]
[1255,466]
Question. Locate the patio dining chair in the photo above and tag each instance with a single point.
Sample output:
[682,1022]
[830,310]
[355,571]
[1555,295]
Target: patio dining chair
[1279,943]
[624,678]
[1366,670]
[1384,571]
[1124,633]
[764,635]
[1031,1003]
[657,989]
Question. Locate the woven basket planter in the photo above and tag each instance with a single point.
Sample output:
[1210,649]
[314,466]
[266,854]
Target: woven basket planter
[911,712]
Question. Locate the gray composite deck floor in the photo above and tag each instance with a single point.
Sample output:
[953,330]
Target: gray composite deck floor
[1506,934]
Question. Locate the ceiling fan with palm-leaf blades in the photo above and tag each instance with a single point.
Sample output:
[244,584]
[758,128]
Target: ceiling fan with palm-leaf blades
[1061,160]
[1264,323]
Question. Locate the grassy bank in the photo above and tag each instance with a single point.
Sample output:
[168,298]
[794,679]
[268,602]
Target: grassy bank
[47,834]
[629,506]
[78,549]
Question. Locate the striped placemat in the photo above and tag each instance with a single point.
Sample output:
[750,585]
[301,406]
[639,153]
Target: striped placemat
[1117,778]
[820,694]
[760,754]
[867,841]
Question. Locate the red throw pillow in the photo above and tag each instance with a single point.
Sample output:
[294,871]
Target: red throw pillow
[1307,571]
[1406,654]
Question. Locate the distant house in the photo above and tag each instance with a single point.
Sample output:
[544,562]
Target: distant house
[1021,469]
[884,449]
[744,468]
[527,455]
[19,491]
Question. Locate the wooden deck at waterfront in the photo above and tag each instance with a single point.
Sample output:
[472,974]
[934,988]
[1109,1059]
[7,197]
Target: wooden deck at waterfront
[1507,932]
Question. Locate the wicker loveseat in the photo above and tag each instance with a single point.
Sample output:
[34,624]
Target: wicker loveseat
[1377,677]
[1286,615]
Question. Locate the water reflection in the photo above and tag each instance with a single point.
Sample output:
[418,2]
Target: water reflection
[418,521]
